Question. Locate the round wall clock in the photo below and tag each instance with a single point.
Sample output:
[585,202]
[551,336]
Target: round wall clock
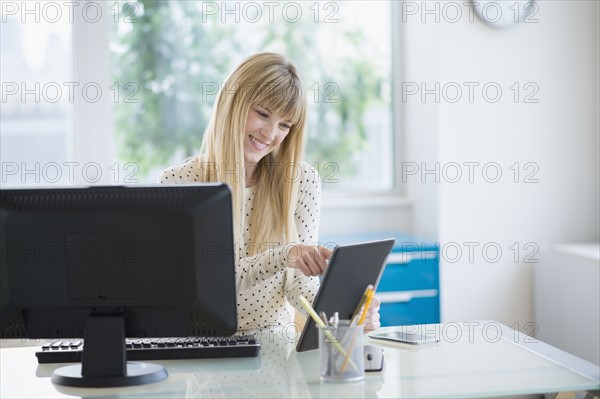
[505,13]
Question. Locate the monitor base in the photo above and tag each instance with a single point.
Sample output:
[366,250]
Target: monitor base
[137,374]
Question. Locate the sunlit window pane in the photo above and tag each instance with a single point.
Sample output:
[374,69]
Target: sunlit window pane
[37,111]
[176,54]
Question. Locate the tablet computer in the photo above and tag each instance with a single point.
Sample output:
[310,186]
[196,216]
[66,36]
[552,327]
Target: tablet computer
[351,268]
[406,337]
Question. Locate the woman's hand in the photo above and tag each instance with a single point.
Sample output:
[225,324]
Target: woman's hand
[309,259]
[372,318]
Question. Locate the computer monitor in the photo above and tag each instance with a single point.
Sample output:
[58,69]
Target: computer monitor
[105,263]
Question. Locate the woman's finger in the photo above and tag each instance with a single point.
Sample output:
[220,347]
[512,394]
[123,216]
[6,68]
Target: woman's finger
[311,264]
[309,267]
[372,326]
[316,263]
[325,253]
[375,302]
[372,317]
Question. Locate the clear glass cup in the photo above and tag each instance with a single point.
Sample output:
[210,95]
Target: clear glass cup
[341,352]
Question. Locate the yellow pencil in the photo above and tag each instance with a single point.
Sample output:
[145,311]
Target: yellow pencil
[362,301]
[367,304]
[320,324]
[347,359]
[312,312]
[356,315]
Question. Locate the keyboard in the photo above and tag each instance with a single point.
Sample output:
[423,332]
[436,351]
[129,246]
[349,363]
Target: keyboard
[159,348]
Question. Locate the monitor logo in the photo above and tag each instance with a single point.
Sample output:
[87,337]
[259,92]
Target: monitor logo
[101,265]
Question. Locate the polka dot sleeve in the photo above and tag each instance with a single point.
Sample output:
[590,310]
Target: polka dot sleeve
[307,216]
[260,267]
[180,174]
[265,265]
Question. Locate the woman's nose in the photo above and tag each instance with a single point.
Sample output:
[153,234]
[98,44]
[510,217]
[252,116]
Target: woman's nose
[268,132]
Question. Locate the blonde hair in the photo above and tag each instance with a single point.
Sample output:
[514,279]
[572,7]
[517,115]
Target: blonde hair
[271,81]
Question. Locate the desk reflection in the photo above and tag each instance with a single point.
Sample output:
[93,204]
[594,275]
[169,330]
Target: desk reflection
[283,373]
[278,372]
[277,376]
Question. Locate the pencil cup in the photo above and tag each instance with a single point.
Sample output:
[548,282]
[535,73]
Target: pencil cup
[341,352]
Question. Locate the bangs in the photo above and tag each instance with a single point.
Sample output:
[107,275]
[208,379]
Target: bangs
[283,96]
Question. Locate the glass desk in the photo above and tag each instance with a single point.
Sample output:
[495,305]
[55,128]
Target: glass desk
[472,359]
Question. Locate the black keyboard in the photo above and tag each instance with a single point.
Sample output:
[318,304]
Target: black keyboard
[159,349]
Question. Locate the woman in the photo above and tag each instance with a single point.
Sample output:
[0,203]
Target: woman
[254,143]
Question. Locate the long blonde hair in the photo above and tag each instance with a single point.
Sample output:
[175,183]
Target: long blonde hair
[271,81]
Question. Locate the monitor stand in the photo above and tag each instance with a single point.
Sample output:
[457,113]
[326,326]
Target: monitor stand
[104,359]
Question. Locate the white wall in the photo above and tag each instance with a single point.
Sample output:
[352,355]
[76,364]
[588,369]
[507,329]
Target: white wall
[360,216]
[559,134]
[420,63]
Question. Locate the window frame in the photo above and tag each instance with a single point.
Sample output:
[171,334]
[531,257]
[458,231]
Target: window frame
[93,122]
[397,195]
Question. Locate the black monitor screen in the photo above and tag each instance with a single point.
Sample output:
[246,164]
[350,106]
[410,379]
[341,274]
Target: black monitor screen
[160,257]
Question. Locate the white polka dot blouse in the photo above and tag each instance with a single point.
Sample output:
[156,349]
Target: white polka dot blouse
[267,288]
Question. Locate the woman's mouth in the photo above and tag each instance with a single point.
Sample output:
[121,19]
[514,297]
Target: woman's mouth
[259,145]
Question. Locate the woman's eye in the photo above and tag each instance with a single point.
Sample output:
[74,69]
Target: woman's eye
[260,113]
[284,126]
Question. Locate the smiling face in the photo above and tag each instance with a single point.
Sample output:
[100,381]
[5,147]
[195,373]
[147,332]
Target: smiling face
[264,131]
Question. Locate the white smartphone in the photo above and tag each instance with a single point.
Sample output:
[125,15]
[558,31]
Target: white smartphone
[406,338]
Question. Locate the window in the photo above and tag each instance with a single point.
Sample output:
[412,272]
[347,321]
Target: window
[171,57]
[163,64]
[37,109]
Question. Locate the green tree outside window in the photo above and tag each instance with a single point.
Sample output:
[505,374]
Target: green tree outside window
[170,57]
